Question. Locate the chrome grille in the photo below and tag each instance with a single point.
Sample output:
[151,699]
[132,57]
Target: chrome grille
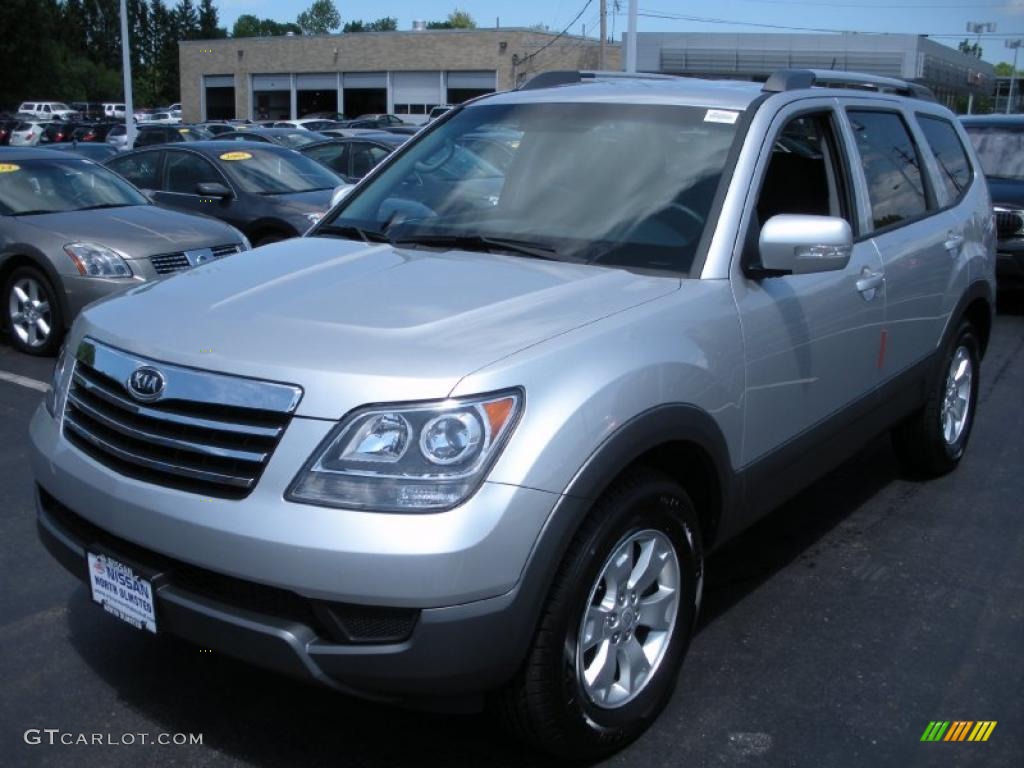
[169,263]
[1008,223]
[207,433]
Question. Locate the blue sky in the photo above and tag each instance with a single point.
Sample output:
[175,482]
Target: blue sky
[936,17]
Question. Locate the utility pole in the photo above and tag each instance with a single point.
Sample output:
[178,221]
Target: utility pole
[631,37]
[604,33]
[1015,44]
[976,28]
[126,63]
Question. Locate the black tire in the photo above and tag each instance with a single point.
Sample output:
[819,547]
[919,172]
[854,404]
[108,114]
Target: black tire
[547,704]
[919,442]
[54,316]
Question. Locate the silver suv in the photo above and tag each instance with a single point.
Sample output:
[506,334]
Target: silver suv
[473,437]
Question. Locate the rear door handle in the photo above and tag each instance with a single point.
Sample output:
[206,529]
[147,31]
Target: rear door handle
[869,283]
[953,242]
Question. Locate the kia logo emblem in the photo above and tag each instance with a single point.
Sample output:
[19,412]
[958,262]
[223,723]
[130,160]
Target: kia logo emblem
[146,383]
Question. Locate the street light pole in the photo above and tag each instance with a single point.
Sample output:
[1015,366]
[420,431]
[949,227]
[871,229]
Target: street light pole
[976,28]
[631,37]
[1015,44]
[126,63]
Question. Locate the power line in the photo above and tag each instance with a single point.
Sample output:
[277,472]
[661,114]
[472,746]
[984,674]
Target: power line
[553,40]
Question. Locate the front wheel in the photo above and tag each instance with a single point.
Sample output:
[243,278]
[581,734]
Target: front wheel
[932,441]
[616,625]
[33,312]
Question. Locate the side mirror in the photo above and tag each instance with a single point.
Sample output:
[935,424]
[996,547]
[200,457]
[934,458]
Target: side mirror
[800,245]
[340,192]
[213,189]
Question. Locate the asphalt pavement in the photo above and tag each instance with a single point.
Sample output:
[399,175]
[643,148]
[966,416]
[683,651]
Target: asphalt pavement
[833,632]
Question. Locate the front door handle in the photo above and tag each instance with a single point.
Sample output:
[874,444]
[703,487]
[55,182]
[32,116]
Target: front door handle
[953,242]
[869,283]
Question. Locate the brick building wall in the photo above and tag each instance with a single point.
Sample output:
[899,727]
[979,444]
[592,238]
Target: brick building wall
[514,54]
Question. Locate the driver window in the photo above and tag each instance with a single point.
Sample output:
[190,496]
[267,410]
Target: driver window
[804,175]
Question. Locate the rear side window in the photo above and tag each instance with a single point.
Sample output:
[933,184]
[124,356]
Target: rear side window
[140,170]
[892,167]
[949,153]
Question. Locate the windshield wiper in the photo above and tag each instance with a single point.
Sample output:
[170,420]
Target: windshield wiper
[484,243]
[348,230]
[38,212]
[98,206]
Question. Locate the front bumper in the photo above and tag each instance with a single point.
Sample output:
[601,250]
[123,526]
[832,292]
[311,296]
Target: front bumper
[442,653]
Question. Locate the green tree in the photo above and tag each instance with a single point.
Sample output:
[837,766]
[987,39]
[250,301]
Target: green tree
[1005,69]
[209,21]
[248,25]
[320,18]
[385,24]
[457,19]
[186,20]
[971,49]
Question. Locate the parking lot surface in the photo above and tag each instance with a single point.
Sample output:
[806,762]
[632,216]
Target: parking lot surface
[833,632]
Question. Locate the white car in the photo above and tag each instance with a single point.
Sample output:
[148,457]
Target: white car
[114,110]
[163,118]
[118,138]
[48,110]
[305,123]
[27,133]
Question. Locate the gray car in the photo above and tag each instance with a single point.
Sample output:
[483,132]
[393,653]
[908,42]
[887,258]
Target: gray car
[472,438]
[72,232]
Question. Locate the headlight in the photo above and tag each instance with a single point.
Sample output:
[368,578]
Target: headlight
[57,381]
[95,260]
[424,457]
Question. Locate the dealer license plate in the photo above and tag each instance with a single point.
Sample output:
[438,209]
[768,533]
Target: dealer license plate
[121,593]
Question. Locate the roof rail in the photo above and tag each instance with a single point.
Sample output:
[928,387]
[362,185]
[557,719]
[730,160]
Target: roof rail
[571,77]
[792,79]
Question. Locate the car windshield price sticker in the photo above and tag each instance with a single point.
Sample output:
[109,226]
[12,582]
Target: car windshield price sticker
[9,167]
[121,593]
[236,156]
[721,116]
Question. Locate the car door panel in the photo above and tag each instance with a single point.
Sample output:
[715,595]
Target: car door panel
[811,341]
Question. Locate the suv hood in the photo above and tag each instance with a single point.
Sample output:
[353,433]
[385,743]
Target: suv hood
[137,231]
[354,324]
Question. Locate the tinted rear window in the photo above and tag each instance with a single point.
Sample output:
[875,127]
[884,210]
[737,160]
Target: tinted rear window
[1000,149]
[950,154]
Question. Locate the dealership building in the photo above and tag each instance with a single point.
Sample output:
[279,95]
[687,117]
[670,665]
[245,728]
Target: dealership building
[749,56]
[402,72]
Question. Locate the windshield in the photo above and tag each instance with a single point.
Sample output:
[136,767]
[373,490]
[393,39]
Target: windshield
[62,184]
[298,138]
[265,172]
[611,184]
[1000,149]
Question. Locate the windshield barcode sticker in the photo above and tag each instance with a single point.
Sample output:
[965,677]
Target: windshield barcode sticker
[721,116]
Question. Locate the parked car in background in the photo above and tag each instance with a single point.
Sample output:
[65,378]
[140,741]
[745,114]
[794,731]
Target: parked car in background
[27,133]
[373,121]
[339,133]
[163,118]
[306,123]
[72,231]
[268,192]
[48,110]
[88,110]
[353,158]
[117,136]
[293,138]
[92,131]
[6,127]
[149,134]
[114,110]
[97,151]
[999,142]
[57,132]
[216,128]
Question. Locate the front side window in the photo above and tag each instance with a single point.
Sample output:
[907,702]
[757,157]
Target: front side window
[185,171]
[944,143]
[609,184]
[365,157]
[891,165]
[333,155]
[60,185]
